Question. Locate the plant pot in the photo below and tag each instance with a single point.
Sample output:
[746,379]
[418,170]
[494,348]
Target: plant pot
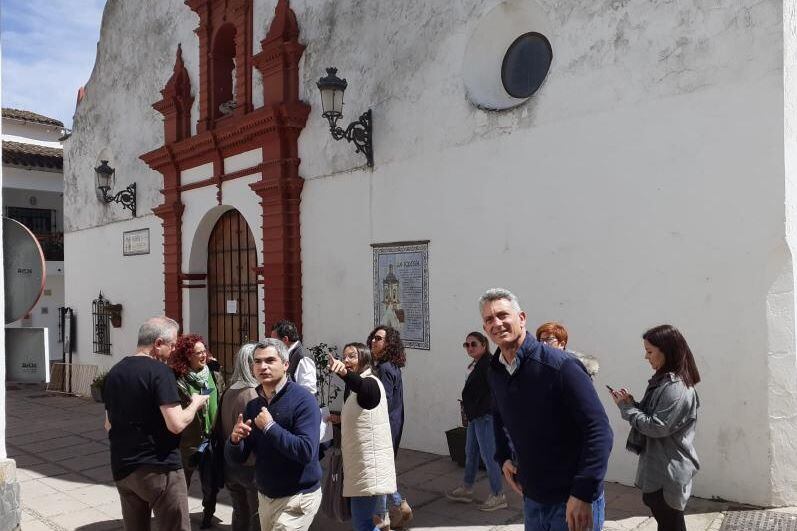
[96,393]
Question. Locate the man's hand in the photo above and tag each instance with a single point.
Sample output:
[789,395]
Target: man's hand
[263,418]
[241,429]
[510,471]
[336,366]
[578,514]
[334,418]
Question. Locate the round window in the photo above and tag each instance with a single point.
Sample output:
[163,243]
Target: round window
[525,65]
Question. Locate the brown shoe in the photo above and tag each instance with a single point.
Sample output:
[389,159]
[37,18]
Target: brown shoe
[406,511]
[382,522]
[396,516]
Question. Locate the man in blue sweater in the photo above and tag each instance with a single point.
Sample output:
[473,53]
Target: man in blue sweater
[282,427]
[559,438]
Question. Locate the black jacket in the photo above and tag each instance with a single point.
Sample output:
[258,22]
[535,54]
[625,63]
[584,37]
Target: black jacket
[476,399]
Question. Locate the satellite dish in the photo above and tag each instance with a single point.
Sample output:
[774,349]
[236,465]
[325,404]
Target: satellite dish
[23,267]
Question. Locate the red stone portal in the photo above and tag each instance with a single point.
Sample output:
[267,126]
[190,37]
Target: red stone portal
[228,125]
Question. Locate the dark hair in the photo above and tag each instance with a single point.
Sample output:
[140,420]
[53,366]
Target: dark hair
[180,360]
[286,329]
[394,348]
[363,355]
[555,329]
[481,338]
[678,357]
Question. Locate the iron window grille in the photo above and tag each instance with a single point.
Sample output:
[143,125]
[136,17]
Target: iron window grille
[101,314]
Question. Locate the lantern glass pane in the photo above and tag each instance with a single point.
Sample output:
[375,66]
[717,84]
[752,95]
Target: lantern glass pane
[327,96]
[338,102]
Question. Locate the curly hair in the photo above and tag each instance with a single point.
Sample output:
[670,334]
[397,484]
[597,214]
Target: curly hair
[180,360]
[394,348]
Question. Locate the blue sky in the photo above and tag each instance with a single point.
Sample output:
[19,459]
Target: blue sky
[48,50]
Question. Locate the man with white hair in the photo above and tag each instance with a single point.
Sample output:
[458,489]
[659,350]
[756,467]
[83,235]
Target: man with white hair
[282,427]
[144,420]
[560,436]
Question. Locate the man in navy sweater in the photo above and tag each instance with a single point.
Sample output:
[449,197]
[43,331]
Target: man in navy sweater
[282,427]
[559,438]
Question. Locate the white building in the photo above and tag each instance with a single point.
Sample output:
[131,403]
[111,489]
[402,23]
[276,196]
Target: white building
[648,180]
[33,190]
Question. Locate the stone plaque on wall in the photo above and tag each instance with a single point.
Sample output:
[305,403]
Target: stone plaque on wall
[401,290]
[135,242]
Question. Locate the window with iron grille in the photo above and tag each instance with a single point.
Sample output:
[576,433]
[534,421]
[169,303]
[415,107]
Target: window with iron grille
[100,310]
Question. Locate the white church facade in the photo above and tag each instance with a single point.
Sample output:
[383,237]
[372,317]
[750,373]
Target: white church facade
[617,165]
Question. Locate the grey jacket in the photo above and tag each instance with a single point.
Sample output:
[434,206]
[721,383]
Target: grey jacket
[669,460]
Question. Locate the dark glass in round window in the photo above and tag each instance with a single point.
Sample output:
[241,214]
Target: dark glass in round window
[526,64]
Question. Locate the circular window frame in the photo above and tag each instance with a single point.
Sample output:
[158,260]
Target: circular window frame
[547,70]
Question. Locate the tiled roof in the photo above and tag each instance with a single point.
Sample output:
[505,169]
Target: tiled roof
[17,114]
[32,156]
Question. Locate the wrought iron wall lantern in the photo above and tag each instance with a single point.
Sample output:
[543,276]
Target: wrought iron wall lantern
[358,132]
[105,177]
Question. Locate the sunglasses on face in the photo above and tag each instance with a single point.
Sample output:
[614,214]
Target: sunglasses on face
[472,344]
[377,338]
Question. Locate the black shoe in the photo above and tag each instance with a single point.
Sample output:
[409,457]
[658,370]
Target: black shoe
[207,521]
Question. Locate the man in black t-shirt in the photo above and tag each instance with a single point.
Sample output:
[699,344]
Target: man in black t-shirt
[144,419]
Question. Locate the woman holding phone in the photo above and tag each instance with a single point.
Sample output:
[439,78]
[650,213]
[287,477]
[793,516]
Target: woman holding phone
[189,361]
[663,426]
[366,443]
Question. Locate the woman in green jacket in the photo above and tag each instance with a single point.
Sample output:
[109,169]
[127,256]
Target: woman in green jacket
[189,361]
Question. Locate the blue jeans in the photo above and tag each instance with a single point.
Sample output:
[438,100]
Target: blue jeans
[362,512]
[481,441]
[381,504]
[540,517]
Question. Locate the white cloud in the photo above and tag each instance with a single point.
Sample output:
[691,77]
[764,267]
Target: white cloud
[48,51]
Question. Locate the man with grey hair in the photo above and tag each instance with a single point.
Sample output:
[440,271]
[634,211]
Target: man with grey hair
[545,402]
[282,427]
[144,420]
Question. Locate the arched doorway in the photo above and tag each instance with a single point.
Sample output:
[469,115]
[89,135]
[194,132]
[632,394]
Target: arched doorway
[232,288]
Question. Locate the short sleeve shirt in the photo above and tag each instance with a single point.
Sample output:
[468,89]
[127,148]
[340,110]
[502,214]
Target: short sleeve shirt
[134,390]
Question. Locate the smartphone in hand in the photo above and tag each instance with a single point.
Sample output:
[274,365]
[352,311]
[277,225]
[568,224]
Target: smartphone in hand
[609,387]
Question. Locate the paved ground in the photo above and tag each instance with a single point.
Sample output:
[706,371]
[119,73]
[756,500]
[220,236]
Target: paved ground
[61,451]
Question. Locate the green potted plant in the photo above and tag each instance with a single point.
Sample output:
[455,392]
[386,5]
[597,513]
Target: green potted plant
[328,390]
[96,386]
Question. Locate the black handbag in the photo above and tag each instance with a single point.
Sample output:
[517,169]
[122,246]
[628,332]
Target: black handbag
[333,504]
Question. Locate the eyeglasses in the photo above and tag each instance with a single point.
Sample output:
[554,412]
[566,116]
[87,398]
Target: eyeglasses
[377,338]
[201,352]
[472,344]
[550,340]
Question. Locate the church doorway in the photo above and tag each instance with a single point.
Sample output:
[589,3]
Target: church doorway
[232,288]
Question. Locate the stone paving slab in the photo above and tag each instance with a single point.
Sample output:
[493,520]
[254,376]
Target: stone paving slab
[64,472]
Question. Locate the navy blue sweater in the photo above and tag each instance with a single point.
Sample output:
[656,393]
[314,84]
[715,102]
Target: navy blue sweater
[390,376]
[286,456]
[557,425]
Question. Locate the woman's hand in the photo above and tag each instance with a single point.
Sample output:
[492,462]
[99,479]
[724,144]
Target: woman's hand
[336,366]
[622,396]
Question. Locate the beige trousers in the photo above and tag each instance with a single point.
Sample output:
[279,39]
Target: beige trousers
[291,513]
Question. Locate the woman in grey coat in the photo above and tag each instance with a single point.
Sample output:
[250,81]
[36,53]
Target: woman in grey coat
[663,426]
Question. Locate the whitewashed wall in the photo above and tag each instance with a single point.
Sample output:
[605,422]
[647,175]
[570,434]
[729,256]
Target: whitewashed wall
[644,183]
[94,263]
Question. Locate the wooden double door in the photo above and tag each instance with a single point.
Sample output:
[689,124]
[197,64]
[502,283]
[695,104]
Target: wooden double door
[232,288]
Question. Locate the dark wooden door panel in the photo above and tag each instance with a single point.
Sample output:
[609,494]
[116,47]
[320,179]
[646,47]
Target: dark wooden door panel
[232,258]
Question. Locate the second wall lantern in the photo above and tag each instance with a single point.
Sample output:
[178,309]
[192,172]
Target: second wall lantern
[359,132]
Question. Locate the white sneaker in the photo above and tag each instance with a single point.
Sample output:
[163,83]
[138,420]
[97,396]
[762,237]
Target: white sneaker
[460,494]
[493,503]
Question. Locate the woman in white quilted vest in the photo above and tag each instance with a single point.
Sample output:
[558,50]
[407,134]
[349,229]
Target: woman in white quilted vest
[366,444]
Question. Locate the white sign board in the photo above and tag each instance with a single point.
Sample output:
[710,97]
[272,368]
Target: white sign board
[135,242]
[27,355]
[232,306]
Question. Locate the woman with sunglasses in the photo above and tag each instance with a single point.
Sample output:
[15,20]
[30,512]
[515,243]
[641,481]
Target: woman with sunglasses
[663,426]
[389,357]
[477,409]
